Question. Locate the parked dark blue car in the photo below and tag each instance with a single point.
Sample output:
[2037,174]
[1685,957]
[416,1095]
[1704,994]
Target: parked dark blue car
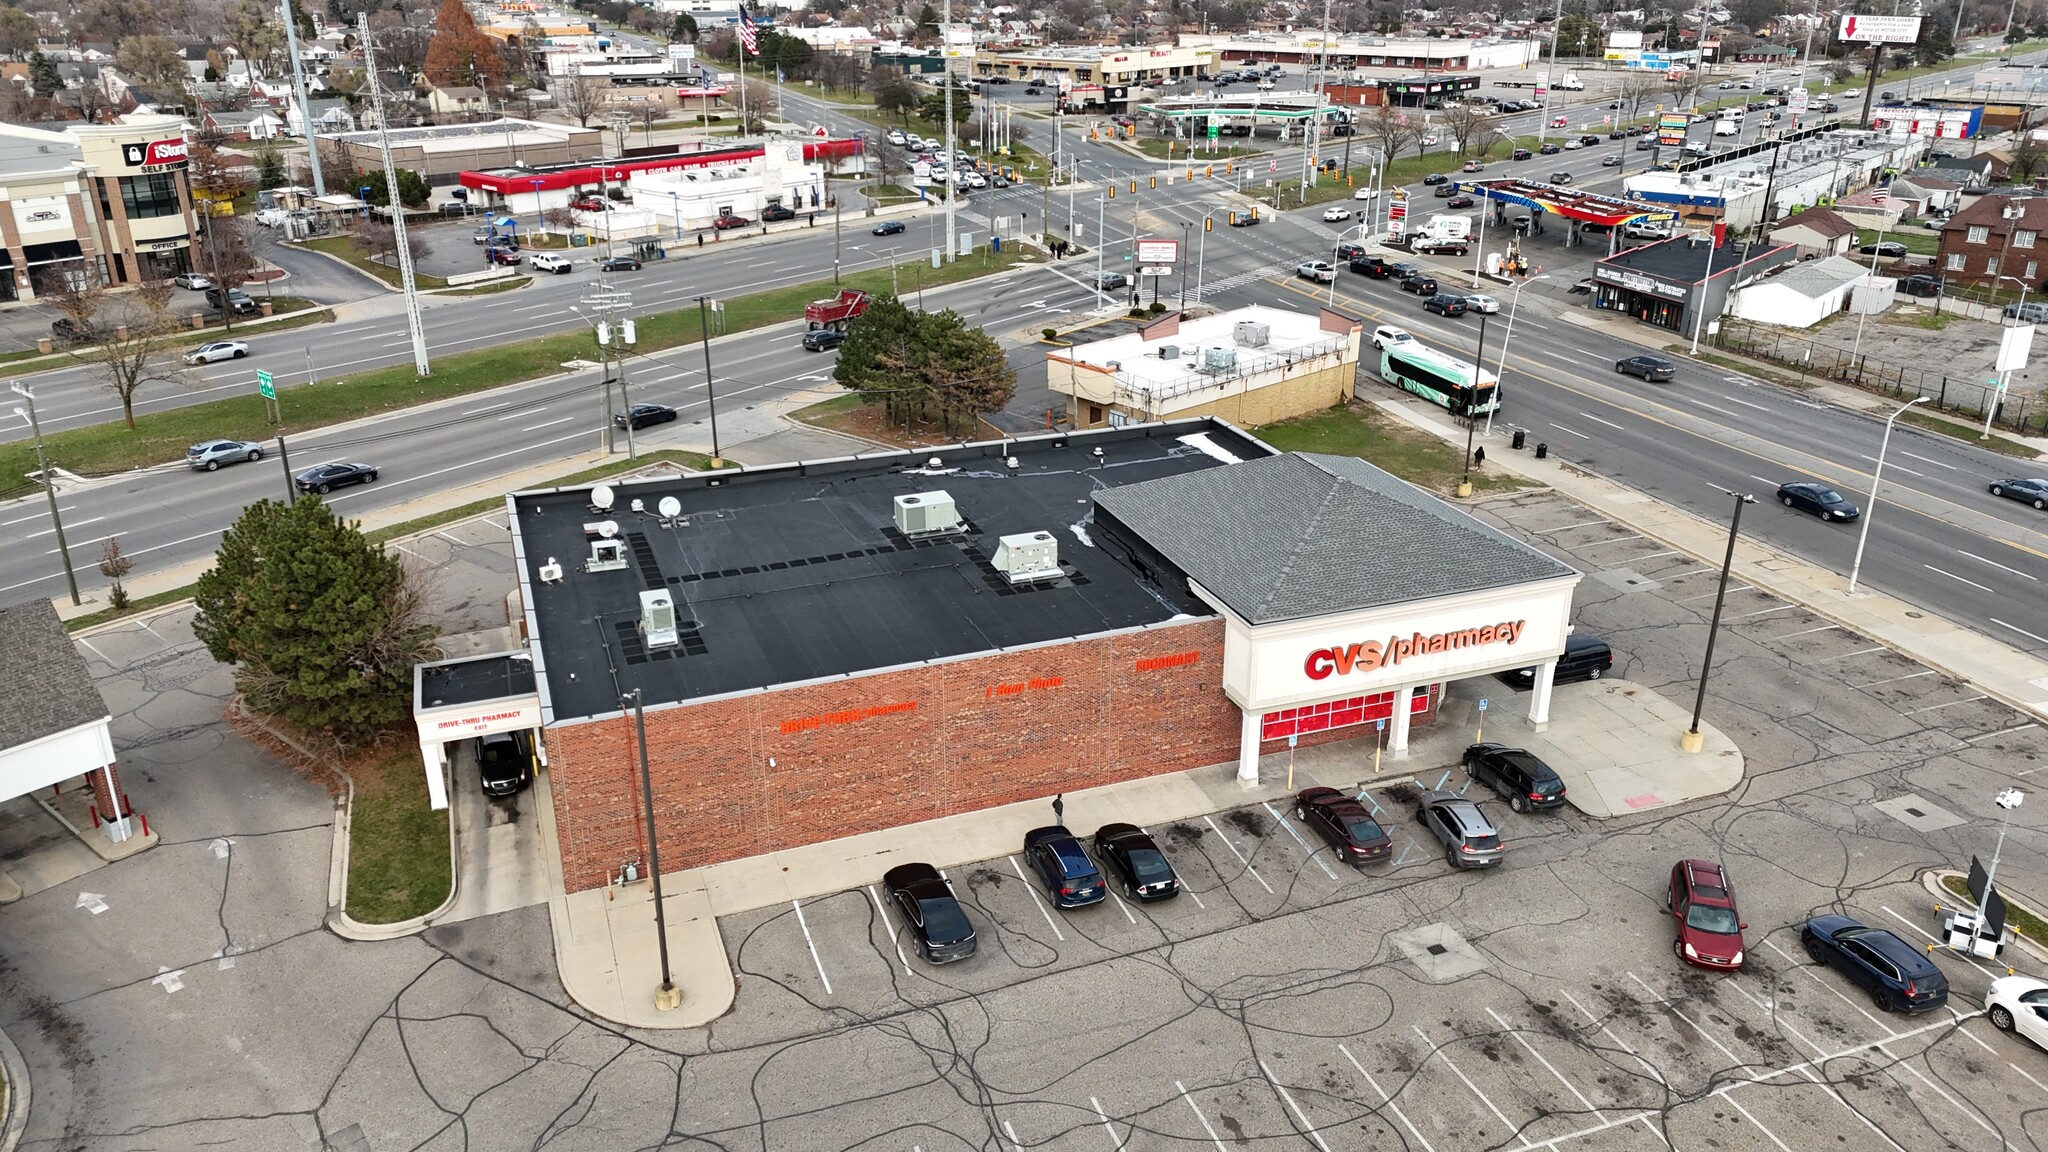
[1070,877]
[1898,976]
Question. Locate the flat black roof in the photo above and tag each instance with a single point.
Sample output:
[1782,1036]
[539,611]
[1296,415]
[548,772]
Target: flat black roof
[797,572]
[473,680]
[1680,261]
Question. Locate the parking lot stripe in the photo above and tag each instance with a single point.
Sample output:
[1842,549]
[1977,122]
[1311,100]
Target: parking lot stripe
[1846,655]
[2006,732]
[1737,1105]
[1299,1115]
[1240,856]
[1804,631]
[1395,1108]
[1306,849]
[1042,910]
[1937,940]
[1114,1139]
[1213,1138]
[1950,704]
[1121,907]
[1015,1146]
[1894,680]
[812,945]
[2021,1071]
[1511,1030]
[1445,1056]
[891,926]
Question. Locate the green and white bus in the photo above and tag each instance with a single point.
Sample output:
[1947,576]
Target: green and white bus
[1440,378]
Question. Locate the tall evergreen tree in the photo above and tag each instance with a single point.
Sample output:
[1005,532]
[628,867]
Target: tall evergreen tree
[43,77]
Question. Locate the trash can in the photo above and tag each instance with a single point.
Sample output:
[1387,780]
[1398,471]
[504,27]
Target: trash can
[1519,439]
[1543,451]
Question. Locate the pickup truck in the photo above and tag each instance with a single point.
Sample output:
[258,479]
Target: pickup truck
[548,262]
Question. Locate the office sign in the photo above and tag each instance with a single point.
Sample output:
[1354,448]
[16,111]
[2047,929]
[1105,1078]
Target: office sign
[1158,251]
[1857,28]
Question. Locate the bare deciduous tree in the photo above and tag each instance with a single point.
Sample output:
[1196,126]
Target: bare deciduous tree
[578,96]
[1465,124]
[1637,90]
[138,352]
[1391,130]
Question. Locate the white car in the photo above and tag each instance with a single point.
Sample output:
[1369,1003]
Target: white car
[1387,334]
[218,350]
[1572,145]
[1334,214]
[897,137]
[1431,140]
[976,180]
[1850,92]
[2019,1004]
[191,280]
[1365,193]
[1482,303]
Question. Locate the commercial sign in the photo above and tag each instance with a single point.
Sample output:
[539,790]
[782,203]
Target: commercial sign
[1542,82]
[1158,251]
[1371,655]
[1797,103]
[1671,128]
[1857,28]
[484,723]
[156,153]
[1637,282]
[40,214]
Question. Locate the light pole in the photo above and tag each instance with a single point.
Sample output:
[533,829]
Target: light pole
[710,392]
[1101,206]
[1876,251]
[2019,312]
[1876,478]
[667,997]
[1514,305]
[538,211]
[1700,321]
[1184,226]
[49,484]
[1691,740]
[1471,417]
[2007,800]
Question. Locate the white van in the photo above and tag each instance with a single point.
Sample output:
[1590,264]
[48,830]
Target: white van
[1727,127]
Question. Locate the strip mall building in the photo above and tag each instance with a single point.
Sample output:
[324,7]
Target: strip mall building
[833,647]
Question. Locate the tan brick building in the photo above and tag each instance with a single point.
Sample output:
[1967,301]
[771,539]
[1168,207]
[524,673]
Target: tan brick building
[1998,236]
[107,201]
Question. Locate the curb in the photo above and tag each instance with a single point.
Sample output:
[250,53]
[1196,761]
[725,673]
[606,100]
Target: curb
[1931,880]
[14,1094]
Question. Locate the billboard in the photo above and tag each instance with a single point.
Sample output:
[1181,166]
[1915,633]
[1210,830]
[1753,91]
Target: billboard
[1158,251]
[1671,128]
[1624,41]
[1857,28]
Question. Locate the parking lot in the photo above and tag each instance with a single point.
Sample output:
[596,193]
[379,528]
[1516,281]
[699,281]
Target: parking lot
[1286,995]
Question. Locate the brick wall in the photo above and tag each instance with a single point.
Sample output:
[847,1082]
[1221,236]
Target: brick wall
[1298,394]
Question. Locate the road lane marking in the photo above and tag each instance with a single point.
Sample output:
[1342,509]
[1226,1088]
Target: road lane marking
[1896,467]
[2018,629]
[811,944]
[1996,564]
[487,408]
[1857,652]
[1804,631]
[548,424]
[1033,890]
[1745,403]
[1953,576]
[1597,420]
[1925,460]
[1765,611]
[1572,431]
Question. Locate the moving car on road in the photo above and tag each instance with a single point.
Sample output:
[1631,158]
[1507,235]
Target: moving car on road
[1387,334]
[1419,283]
[1586,657]
[1525,781]
[1445,304]
[619,264]
[191,280]
[209,455]
[1650,368]
[549,262]
[1137,861]
[324,478]
[1482,303]
[1703,916]
[644,415]
[1818,499]
[1070,877]
[1344,824]
[217,350]
[1898,976]
[2034,491]
[925,901]
[1319,271]
[888,228]
[823,339]
[1335,213]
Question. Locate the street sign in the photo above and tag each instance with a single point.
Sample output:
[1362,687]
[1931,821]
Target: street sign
[264,385]
[1482,703]
[1156,270]
[1857,28]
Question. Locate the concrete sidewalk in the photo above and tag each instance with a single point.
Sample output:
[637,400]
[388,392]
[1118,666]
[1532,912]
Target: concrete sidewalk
[1615,744]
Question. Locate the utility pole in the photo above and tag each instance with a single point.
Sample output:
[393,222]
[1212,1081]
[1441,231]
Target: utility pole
[710,392]
[291,37]
[1542,122]
[952,169]
[49,485]
[667,997]
[405,276]
[835,241]
[615,338]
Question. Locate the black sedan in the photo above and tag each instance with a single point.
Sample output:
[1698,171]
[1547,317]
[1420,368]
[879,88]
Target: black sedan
[1883,248]
[1650,368]
[1898,976]
[1818,499]
[619,264]
[1460,202]
[823,339]
[642,415]
[1344,824]
[1560,177]
[1137,861]
[1517,774]
[324,478]
[2033,491]
[1436,178]
[888,228]
[924,899]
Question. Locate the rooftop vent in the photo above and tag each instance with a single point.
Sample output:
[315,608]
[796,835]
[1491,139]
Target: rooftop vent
[1252,334]
[658,618]
[1169,351]
[1028,556]
[926,514]
[1219,359]
[606,555]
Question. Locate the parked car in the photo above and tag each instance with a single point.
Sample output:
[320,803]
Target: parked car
[2034,491]
[1818,499]
[1070,877]
[504,762]
[209,455]
[65,330]
[549,262]
[1320,271]
[775,212]
[1445,304]
[1707,930]
[1482,303]
[1469,838]
[324,478]
[1522,779]
[1898,976]
[823,339]
[926,903]
[1650,368]
[1439,245]
[191,280]
[643,416]
[501,254]
[1336,212]
[231,300]
[1419,284]
[1137,861]
[1387,334]
[2032,312]
[888,228]
[1891,248]
[730,221]
[1921,285]
[619,264]
[1344,824]
[1586,657]
[589,204]
[217,350]
[2019,1004]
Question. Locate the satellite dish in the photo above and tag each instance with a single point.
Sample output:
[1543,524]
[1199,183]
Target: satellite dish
[608,529]
[601,496]
[670,507]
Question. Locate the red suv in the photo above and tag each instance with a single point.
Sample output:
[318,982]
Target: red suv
[1709,929]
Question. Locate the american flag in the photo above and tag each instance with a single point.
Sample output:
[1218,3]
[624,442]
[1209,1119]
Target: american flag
[748,40]
[1880,195]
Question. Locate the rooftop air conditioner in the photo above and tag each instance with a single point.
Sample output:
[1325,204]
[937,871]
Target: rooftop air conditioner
[1169,351]
[1219,359]
[1252,334]
[606,555]
[1028,556]
[925,513]
[658,617]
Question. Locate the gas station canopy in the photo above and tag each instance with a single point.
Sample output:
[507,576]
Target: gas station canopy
[1585,207]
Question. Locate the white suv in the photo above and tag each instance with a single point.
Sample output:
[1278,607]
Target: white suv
[1387,334]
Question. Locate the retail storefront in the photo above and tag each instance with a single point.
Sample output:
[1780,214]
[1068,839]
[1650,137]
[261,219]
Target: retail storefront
[1672,282]
[94,203]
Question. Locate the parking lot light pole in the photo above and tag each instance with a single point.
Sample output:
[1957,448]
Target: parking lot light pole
[1691,740]
[1876,479]
[667,997]
[1514,305]
[1471,417]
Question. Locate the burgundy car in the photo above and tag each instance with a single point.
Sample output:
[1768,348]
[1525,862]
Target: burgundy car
[726,223]
[1344,824]
[1703,914]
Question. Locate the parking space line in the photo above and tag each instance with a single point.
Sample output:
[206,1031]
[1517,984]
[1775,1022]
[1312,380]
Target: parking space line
[1115,1140]
[891,926]
[1213,1138]
[1931,936]
[1846,655]
[2023,1072]
[1396,1108]
[1240,856]
[1950,704]
[1737,1105]
[1551,1068]
[1444,1055]
[1033,891]
[1298,1113]
[1120,906]
[1306,849]
[1656,1073]
[1894,680]
[812,945]
[1804,631]
[2006,732]
[1015,1144]
[1766,611]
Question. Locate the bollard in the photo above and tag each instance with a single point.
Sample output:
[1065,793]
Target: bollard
[144,817]
[1543,451]
[95,815]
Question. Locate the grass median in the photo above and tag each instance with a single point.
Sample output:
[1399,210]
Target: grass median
[2017,916]
[398,865]
[161,437]
[1363,430]
[344,249]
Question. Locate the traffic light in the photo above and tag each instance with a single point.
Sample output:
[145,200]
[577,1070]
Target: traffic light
[1112,191]
[1191,175]
[1208,170]
[1208,223]
[1229,166]
[1152,181]
[1134,187]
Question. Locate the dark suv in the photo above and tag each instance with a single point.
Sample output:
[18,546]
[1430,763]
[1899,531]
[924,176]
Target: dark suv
[924,899]
[231,300]
[1070,877]
[68,331]
[1898,976]
[1469,838]
[1419,283]
[1445,303]
[504,762]
[1523,780]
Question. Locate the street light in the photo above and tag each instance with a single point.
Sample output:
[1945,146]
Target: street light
[1514,304]
[1876,478]
[1471,417]
[667,997]
[1691,740]
[538,211]
[49,484]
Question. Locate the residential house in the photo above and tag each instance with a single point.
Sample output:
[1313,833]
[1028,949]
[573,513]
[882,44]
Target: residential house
[1763,52]
[1925,195]
[329,117]
[254,124]
[1996,164]
[454,104]
[1816,232]
[1872,208]
[1998,237]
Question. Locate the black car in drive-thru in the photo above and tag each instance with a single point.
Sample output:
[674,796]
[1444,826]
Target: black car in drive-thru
[504,762]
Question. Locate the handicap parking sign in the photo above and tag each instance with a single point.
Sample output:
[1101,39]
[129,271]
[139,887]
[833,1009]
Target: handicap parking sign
[1482,703]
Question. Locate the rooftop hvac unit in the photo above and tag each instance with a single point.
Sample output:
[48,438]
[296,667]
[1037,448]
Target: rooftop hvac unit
[1028,556]
[1169,351]
[606,555]
[1252,334]
[1219,359]
[658,617]
[925,513]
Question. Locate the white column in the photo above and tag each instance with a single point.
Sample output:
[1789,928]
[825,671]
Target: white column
[1539,697]
[434,754]
[1397,725]
[1248,750]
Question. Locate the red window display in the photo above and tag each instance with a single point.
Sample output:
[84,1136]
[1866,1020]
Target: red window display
[1336,714]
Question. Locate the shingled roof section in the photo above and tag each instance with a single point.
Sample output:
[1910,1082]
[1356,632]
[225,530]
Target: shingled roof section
[42,677]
